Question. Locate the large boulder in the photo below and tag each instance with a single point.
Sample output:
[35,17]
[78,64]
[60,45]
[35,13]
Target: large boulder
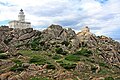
[5,75]
[27,36]
[82,67]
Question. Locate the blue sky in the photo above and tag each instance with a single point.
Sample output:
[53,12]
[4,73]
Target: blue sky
[101,16]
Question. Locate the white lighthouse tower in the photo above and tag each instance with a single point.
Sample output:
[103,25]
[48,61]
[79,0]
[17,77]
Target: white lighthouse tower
[21,16]
[20,23]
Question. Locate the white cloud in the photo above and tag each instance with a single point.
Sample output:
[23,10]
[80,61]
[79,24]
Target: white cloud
[102,16]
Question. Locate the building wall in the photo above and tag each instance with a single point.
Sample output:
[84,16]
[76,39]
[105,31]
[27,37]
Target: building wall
[20,25]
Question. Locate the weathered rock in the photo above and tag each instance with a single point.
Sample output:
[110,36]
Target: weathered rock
[5,75]
[29,30]
[27,36]
[25,64]
[54,35]
[3,47]
[82,67]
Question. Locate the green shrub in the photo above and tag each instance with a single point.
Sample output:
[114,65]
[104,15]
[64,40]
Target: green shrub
[50,66]
[72,57]
[39,78]
[3,56]
[35,78]
[83,52]
[35,44]
[60,51]
[17,61]
[103,64]
[38,60]
[1,51]
[18,66]
[56,57]
[67,64]
[103,71]
[109,78]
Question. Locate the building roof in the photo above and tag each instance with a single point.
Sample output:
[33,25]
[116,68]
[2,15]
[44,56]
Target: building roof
[20,22]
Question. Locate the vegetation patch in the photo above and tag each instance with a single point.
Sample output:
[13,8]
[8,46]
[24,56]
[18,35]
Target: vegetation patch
[35,44]
[103,64]
[17,61]
[60,51]
[18,66]
[50,66]
[67,64]
[3,56]
[103,71]
[1,51]
[57,56]
[39,60]
[84,52]
[72,57]
[39,78]
[109,78]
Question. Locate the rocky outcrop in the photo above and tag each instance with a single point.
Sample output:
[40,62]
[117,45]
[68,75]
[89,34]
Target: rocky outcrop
[26,36]
[56,36]
[5,75]
[10,38]
[87,38]
[58,33]
[103,52]
[82,67]
[24,75]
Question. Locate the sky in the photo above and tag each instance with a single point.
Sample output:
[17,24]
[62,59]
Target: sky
[101,16]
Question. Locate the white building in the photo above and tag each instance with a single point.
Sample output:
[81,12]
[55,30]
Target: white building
[20,23]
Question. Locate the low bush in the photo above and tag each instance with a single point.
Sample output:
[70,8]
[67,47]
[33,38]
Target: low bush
[39,78]
[1,51]
[35,44]
[109,78]
[72,57]
[18,67]
[103,64]
[56,57]
[83,52]
[38,60]
[17,61]
[60,51]
[103,71]
[50,66]
[67,64]
[3,56]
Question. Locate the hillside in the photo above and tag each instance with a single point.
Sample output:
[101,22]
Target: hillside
[57,54]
